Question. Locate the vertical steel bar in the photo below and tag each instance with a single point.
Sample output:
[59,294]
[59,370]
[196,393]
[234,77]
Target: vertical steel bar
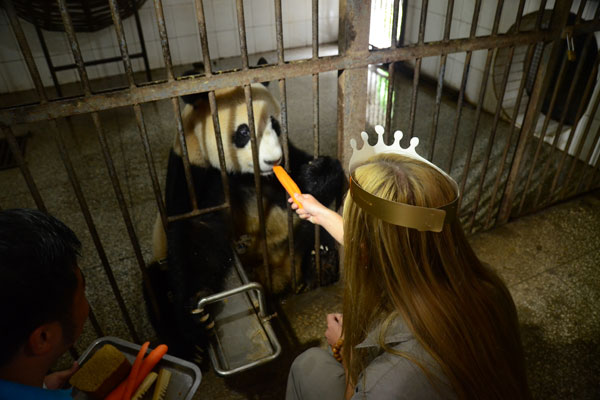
[513,123]
[484,82]
[581,109]
[125,212]
[492,137]
[593,175]
[70,31]
[355,17]
[64,155]
[140,32]
[242,32]
[95,323]
[547,118]
[16,151]
[212,100]
[285,138]
[563,116]
[542,82]
[40,35]
[588,160]
[582,5]
[118,25]
[253,143]
[162,30]
[25,49]
[417,70]
[315,94]
[463,85]
[395,22]
[389,105]
[440,83]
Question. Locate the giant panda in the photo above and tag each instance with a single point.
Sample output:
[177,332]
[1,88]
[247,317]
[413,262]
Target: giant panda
[199,250]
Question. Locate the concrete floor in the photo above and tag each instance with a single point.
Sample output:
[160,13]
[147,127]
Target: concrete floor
[549,259]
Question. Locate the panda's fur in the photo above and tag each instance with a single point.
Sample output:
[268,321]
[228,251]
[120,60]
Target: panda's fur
[199,250]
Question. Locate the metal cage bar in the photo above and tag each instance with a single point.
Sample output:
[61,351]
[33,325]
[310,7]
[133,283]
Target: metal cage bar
[417,70]
[463,84]
[253,142]
[315,95]
[440,81]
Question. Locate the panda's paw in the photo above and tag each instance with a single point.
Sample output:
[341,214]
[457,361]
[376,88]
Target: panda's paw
[204,320]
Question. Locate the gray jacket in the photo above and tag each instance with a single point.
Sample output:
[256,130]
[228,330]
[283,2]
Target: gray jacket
[390,376]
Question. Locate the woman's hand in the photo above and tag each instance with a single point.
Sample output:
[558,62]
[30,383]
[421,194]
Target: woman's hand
[318,214]
[334,328]
[57,380]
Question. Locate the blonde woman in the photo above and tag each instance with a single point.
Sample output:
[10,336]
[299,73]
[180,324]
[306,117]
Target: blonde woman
[422,317]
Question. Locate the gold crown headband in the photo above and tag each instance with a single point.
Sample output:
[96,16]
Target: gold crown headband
[402,214]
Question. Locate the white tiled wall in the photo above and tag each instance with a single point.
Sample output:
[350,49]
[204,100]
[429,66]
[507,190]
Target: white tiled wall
[182,29]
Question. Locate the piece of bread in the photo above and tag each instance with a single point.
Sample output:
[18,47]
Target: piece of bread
[102,373]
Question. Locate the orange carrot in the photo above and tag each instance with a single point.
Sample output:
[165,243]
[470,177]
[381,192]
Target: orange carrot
[135,370]
[144,368]
[288,183]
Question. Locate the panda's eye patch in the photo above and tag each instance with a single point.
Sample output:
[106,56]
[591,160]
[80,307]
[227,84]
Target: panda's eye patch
[241,136]
[275,125]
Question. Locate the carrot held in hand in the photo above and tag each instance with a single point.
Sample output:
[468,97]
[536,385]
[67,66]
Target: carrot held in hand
[288,183]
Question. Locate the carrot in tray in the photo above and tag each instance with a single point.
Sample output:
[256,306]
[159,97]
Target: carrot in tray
[145,367]
[288,183]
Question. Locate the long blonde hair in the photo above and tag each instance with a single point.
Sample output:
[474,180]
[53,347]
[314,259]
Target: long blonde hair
[459,310]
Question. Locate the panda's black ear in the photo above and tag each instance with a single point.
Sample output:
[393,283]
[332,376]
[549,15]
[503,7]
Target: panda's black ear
[263,61]
[194,98]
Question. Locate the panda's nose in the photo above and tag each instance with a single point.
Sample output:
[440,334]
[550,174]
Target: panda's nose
[273,162]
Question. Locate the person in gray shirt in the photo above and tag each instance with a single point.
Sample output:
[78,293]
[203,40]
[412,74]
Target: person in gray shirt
[422,318]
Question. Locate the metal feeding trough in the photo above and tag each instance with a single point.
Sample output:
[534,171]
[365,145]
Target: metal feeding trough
[243,337]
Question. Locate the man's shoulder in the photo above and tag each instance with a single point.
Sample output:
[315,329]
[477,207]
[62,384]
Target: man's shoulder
[12,391]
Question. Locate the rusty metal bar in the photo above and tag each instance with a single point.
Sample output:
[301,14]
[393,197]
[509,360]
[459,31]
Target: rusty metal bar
[144,52]
[40,36]
[285,138]
[486,74]
[162,30]
[242,33]
[118,25]
[94,62]
[137,109]
[64,155]
[70,31]
[125,212]
[562,121]
[440,83]
[544,129]
[95,323]
[417,70]
[513,123]
[164,40]
[197,212]
[16,151]
[541,85]
[315,94]
[25,49]
[581,109]
[588,161]
[212,100]
[253,143]
[159,91]
[395,23]
[492,137]
[392,75]
[582,5]
[597,15]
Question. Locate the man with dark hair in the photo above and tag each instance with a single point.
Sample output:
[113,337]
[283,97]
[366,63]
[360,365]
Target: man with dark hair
[42,303]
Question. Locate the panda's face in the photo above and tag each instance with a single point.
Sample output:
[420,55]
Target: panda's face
[235,131]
